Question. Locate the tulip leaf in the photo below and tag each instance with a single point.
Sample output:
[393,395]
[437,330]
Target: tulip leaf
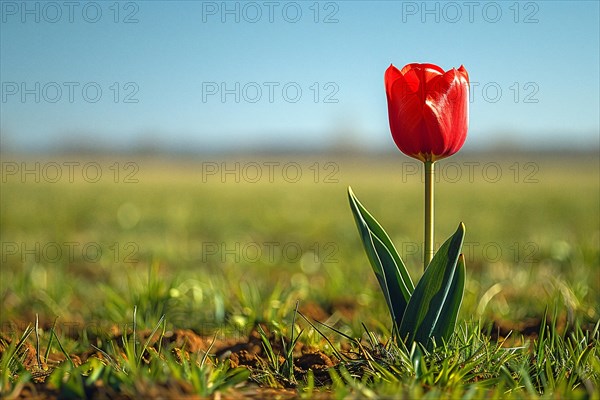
[447,321]
[434,304]
[389,268]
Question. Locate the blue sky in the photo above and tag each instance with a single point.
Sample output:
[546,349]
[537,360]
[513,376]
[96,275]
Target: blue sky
[228,75]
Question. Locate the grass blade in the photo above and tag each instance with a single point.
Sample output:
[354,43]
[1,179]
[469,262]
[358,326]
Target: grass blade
[147,343]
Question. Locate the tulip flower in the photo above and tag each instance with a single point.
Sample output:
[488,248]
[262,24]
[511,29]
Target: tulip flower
[428,112]
[429,116]
[428,109]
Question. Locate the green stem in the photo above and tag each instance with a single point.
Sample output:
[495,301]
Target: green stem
[429,242]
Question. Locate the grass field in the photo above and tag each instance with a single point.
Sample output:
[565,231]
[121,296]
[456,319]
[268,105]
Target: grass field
[99,249]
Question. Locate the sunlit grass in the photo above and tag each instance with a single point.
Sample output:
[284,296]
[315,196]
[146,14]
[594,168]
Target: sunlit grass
[221,257]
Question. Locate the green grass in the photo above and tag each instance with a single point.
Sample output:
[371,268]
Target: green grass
[220,258]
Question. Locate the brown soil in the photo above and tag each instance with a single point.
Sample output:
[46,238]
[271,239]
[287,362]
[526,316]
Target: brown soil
[248,352]
[516,332]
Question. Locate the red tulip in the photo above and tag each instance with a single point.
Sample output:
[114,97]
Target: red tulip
[428,109]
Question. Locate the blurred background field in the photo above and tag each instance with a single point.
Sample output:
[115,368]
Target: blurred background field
[220,242]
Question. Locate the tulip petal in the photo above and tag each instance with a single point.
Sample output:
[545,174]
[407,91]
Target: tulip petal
[430,70]
[405,115]
[447,113]
[462,70]
[391,74]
